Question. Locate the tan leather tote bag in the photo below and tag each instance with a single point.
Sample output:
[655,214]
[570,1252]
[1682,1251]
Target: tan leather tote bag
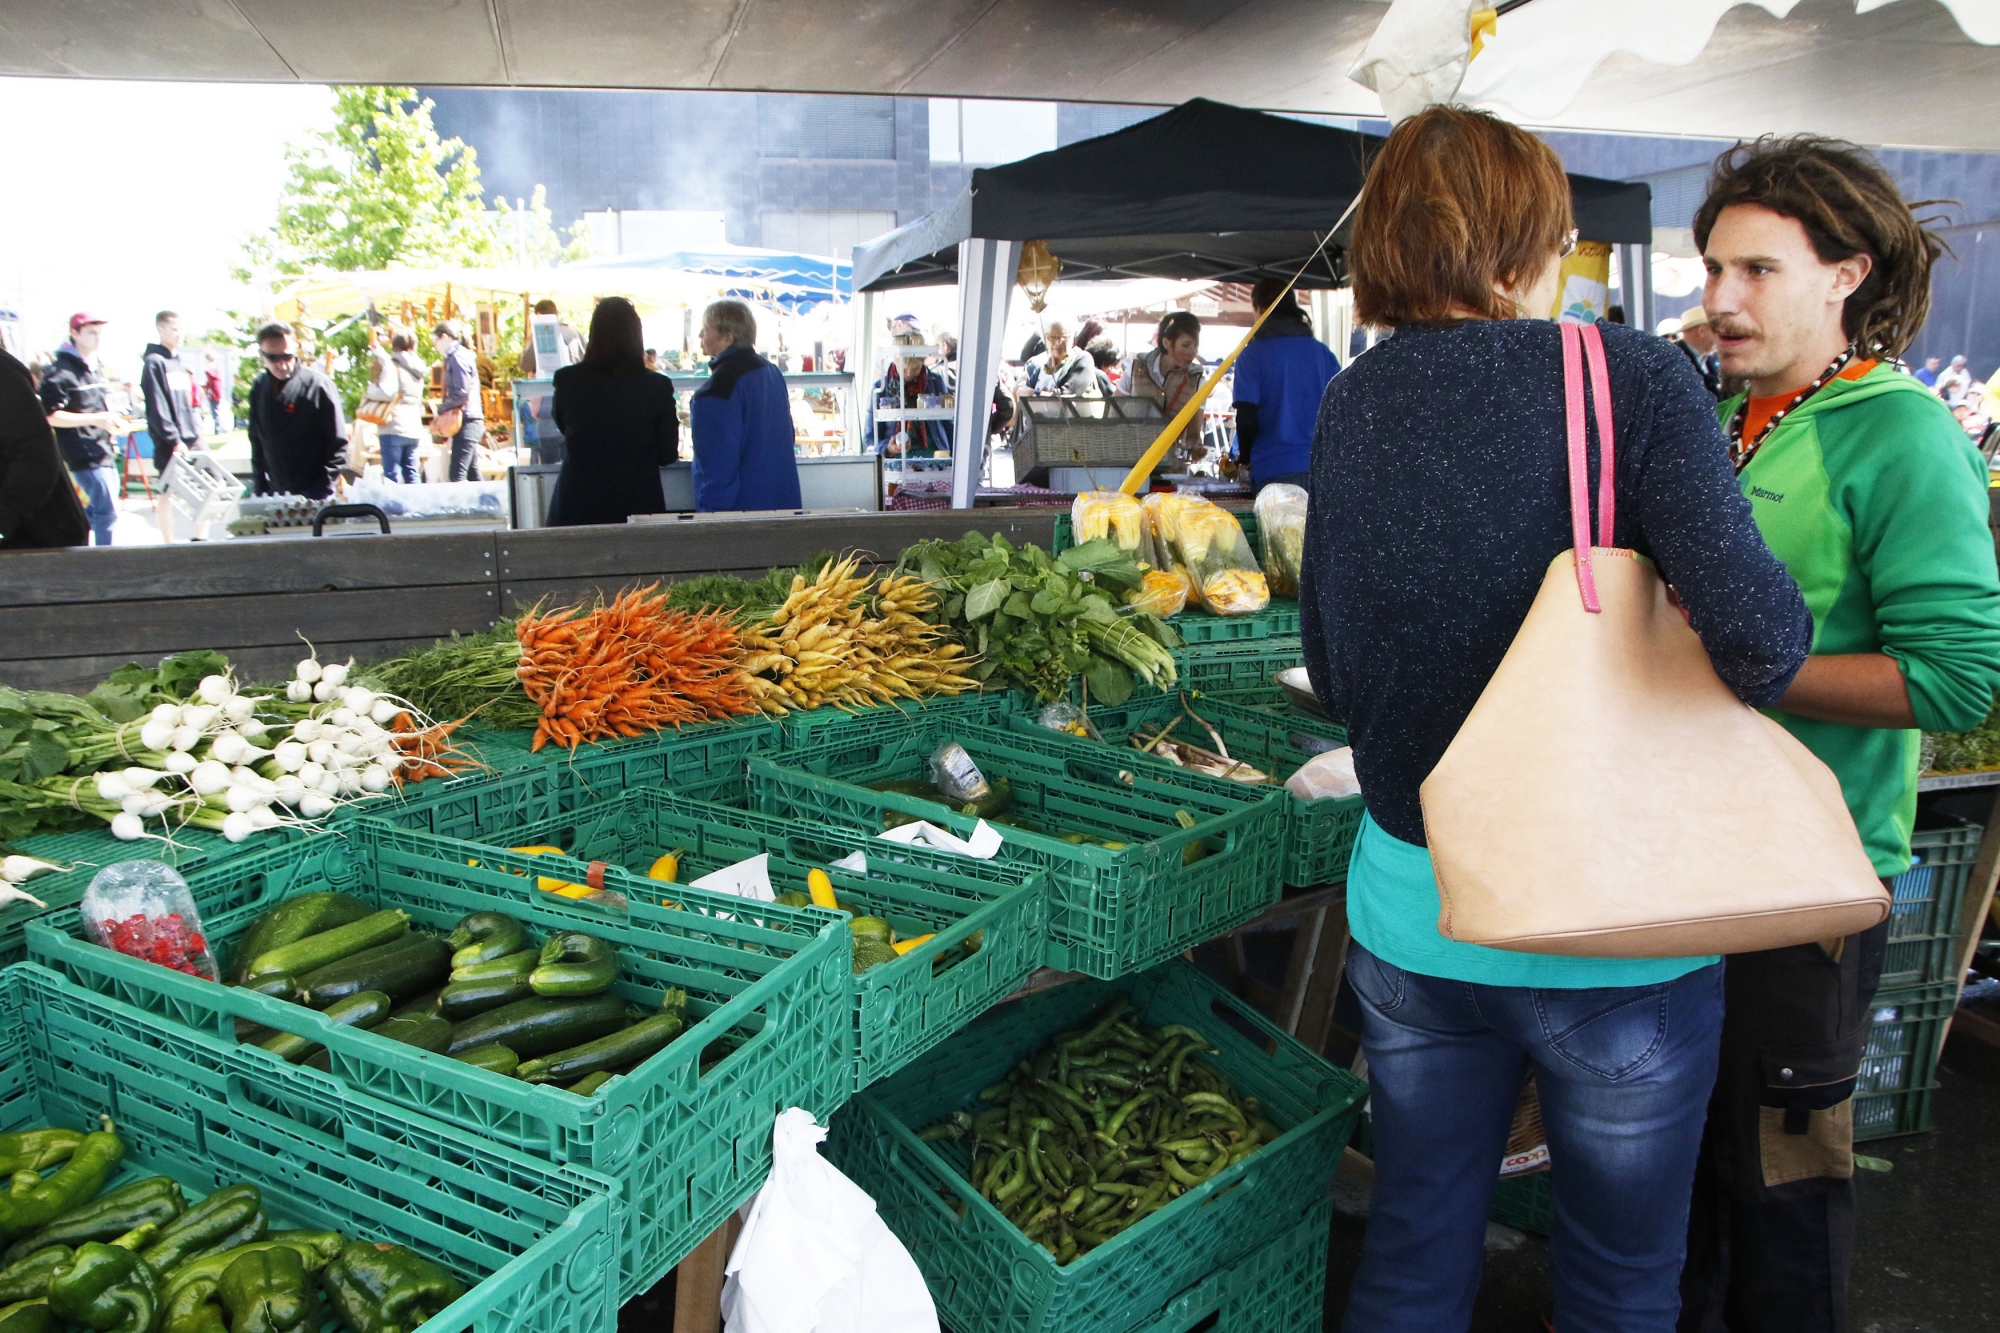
[1608,796]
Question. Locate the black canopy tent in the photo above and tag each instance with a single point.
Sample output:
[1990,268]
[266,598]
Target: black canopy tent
[1203,191]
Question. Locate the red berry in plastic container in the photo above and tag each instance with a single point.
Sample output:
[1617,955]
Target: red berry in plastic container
[143,909]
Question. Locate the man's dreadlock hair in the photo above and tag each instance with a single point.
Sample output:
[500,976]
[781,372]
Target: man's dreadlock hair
[1848,206]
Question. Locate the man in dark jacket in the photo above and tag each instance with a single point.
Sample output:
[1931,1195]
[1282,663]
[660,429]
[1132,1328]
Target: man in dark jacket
[168,385]
[298,439]
[745,455]
[38,504]
[72,394]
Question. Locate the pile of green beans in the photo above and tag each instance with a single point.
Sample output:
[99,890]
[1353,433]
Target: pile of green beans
[1108,1123]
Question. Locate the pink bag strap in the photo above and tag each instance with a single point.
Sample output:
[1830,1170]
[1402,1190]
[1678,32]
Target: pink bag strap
[1581,344]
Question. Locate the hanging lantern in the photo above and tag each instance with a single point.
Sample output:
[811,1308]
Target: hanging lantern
[1037,273]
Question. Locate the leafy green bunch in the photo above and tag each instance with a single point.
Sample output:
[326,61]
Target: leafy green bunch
[748,599]
[43,736]
[132,690]
[1037,621]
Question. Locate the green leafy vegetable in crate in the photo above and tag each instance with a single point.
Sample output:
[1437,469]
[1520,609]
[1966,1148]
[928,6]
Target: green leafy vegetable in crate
[1966,751]
[469,675]
[1037,621]
[1106,1124]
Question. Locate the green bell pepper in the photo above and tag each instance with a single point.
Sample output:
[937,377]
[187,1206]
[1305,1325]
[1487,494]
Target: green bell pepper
[221,1215]
[109,1288]
[88,1167]
[36,1149]
[194,1307]
[316,1248]
[27,1317]
[155,1199]
[29,1279]
[381,1288]
[269,1291]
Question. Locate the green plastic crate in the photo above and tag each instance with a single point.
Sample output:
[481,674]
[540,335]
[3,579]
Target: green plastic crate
[818,728]
[1526,1203]
[502,750]
[986,1276]
[1892,1094]
[1321,834]
[1279,1289]
[1226,668]
[86,852]
[1924,945]
[532,1241]
[703,760]
[686,1143]
[465,807]
[1278,620]
[900,1009]
[1111,911]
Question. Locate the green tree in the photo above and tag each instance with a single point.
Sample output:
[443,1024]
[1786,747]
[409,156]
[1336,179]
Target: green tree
[379,188]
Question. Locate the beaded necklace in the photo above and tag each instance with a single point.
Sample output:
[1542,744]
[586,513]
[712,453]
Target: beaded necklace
[1742,452]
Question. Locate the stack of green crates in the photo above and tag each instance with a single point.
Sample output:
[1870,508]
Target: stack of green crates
[1195,857]
[686,1135]
[1919,987]
[1320,835]
[531,1240]
[1247,1245]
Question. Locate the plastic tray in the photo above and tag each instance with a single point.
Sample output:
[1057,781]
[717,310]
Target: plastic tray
[987,1277]
[1279,1289]
[900,1009]
[1899,1065]
[1111,911]
[87,852]
[1924,946]
[1321,834]
[1225,668]
[686,1142]
[531,1240]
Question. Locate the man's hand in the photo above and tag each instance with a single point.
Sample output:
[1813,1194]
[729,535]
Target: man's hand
[1854,689]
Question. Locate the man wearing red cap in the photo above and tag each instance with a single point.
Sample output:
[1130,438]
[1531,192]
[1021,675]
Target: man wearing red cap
[72,394]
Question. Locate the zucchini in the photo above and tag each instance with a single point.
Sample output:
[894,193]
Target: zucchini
[362,1010]
[588,1085]
[484,936]
[330,946]
[278,985]
[293,919]
[492,1057]
[574,963]
[497,969]
[628,1046]
[401,967]
[426,1032]
[539,1026]
[425,1002]
[463,999]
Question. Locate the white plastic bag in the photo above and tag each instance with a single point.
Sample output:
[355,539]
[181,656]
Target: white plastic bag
[984,844]
[814,1257]
[1326,776]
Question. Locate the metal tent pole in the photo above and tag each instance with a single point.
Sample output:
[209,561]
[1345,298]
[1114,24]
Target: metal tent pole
[985,283]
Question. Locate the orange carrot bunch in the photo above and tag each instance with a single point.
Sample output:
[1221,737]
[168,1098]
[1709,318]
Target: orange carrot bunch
[629,667]
[428,752]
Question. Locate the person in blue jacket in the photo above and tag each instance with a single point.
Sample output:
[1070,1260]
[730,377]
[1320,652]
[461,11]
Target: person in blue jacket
[742,420]
[1280,379]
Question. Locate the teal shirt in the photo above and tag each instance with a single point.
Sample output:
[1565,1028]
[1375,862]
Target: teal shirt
[1392,908]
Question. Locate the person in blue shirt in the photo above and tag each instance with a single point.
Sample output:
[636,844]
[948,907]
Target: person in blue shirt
[1928,375]
[744,454]
[1280,379]
[906,384]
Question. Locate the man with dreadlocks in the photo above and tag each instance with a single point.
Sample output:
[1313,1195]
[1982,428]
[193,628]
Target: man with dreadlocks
[1867,490]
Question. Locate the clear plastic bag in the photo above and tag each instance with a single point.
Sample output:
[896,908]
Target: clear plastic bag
[143,909]
[1063,716]
[954,773]
[1281,530]
[1112,514]
[1161,592]
[1205,539]
[1328,776]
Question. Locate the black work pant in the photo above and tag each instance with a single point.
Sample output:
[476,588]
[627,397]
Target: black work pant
[1771,1232]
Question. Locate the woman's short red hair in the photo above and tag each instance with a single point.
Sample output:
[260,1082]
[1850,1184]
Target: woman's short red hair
[1455,201]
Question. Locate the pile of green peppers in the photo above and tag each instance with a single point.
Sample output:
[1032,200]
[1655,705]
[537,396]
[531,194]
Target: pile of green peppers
[139,1260]
[1107,1124]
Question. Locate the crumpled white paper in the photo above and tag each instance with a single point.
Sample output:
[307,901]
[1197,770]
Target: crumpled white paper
[983,844]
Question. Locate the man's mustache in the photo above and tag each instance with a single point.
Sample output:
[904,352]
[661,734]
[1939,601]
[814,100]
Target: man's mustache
[1727,330]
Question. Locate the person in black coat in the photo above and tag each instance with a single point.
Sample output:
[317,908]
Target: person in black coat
[619,424]
[38,504]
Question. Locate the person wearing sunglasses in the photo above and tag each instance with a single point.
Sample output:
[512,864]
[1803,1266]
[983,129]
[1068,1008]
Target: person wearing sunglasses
[298,437]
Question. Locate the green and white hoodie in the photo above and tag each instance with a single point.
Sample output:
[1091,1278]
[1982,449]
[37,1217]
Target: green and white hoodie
[1874,499]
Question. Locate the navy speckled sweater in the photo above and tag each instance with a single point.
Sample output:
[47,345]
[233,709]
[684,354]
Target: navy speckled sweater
[1439,496]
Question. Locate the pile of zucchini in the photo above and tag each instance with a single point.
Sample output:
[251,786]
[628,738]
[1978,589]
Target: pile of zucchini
[485,994]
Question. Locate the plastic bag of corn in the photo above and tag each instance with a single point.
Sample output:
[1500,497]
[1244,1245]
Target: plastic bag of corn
[1112,514]
[1204,539]
[1281,526]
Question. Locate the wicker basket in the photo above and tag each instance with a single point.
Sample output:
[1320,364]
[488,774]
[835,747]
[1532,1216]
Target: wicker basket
[1083,432]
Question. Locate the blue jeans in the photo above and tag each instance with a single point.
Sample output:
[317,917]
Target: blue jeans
[464,450]
[399,458]
[1623,1074]
[99,485]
